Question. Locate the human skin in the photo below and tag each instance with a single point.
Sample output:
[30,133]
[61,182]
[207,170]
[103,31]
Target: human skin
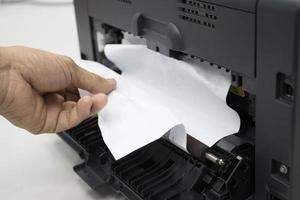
[39,90]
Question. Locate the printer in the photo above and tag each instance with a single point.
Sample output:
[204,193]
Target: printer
[258,41]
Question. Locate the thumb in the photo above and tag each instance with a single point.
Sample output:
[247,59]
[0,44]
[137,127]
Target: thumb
[91,82]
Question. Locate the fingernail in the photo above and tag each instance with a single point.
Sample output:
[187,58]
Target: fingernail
[100,98]
[112,81]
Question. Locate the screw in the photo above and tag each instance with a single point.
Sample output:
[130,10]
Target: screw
[283,169]
[221,162]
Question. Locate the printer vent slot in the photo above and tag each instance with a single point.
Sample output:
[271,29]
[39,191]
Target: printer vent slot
[198,12]
[197,21]
[199,4]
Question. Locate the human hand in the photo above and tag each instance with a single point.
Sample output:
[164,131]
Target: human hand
[39,90]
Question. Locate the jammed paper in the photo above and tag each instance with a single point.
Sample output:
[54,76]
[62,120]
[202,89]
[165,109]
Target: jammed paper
[156,93]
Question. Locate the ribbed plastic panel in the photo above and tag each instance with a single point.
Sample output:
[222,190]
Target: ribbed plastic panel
[160,170]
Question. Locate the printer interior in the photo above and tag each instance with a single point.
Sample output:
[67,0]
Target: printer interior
[258,42]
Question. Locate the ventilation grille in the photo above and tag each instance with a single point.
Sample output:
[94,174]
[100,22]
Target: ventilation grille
[197,12]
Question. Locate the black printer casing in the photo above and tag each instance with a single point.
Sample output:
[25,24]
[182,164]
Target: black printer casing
[258,40]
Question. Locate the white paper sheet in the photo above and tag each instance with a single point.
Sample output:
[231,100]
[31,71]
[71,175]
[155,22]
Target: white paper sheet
[132,119]
[195,93]
[156,93]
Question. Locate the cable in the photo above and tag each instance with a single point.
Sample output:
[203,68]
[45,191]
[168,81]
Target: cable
[36,3]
